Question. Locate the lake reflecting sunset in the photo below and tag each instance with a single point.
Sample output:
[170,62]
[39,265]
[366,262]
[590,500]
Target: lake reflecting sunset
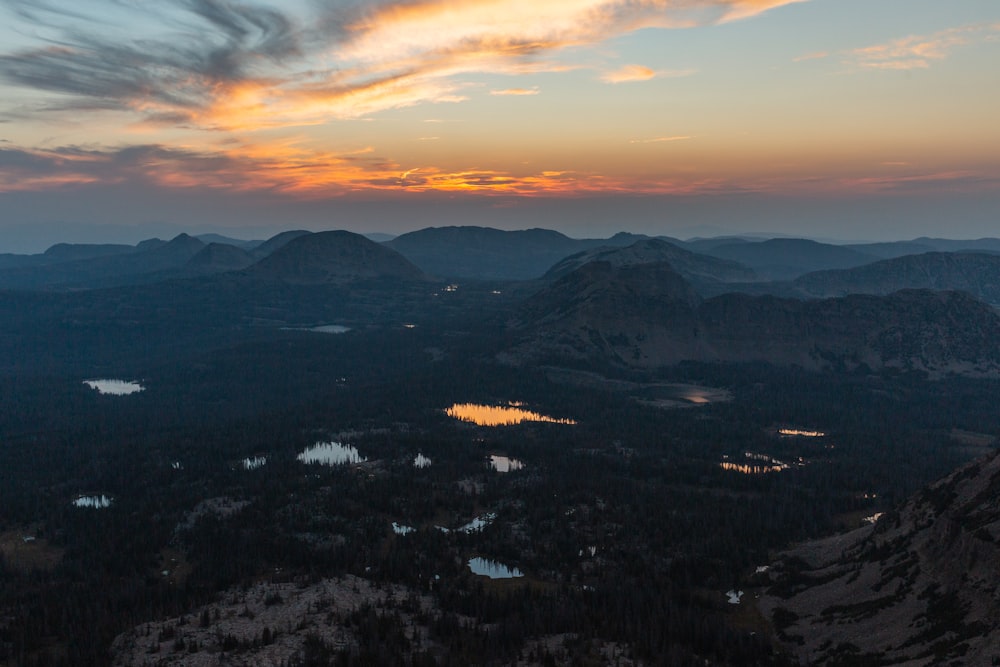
[498,415]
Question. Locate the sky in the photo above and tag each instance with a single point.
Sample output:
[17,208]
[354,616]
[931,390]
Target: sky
[832,119]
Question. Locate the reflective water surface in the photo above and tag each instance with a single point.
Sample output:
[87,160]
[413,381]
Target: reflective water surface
[498,415]
[330,454]
[493,569]
[114,387]
[505,464]
[95,502]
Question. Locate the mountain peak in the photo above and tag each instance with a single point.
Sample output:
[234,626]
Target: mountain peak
[334,257]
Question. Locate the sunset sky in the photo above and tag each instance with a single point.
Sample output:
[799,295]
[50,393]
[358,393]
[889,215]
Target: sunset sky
[839,119]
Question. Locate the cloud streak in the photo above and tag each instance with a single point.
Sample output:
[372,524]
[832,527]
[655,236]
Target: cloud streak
[515,91]
[918,51]
[629,73]
[290,170]
[221,64]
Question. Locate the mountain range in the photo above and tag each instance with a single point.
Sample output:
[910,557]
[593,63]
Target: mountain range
[647,316]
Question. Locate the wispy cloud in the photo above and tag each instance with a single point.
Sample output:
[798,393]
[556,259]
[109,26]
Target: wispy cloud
[220,64]
[515,91]
[629,73]
[290,170]
[918,51]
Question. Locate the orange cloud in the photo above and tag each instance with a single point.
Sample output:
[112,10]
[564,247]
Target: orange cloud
[247,66]
[399,55]
[515,91]
[629,73]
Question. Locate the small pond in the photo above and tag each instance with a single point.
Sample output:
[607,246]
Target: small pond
[114,387]
[94,502]
[330,454]
[492,569]
[498,415]
[504,463]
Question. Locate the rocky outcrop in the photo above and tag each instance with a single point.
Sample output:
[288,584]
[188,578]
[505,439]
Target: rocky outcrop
[918,587]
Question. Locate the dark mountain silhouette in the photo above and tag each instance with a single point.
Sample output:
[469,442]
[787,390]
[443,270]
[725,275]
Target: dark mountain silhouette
[219,258]
[150,258]
[486,253]
[988,244]
[919,587]
[784,259]
[277,241]
[64,252]
[228,240]
[975,273]
[648,316]
[694,267]
[72,252]
[333,257]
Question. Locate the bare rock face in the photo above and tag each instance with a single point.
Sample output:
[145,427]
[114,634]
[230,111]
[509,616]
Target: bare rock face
[919,587]
[647,315]
[334,257]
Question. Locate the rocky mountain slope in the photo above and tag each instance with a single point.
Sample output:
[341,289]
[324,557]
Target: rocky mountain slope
[919,587]
[648,315]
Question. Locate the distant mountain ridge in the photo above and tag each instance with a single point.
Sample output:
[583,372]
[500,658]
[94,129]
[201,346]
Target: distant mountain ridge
[976,273]
[485,253]
[784,259]
[648,316]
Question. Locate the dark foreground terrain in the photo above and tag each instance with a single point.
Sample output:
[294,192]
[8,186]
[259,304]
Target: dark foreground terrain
[189,523]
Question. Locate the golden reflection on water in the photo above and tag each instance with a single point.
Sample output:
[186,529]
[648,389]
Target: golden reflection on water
[800,433]
[494,415]
[752,468]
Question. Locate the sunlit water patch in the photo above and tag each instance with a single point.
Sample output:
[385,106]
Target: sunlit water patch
[492,569]
[504,463]
[94,502]
[754,464]
[254,462]
[421,461]
[114,387]
[499,415]
[330,454]
[800,433]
